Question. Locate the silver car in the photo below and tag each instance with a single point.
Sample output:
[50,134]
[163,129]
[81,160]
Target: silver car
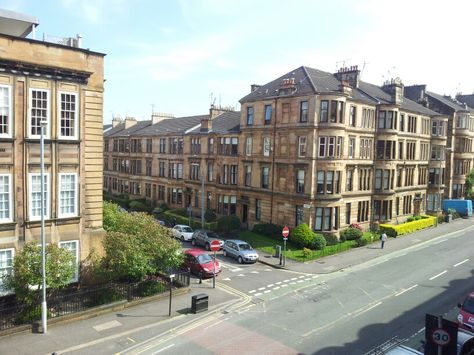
[240,250]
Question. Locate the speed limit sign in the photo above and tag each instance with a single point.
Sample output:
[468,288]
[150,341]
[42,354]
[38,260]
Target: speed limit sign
[440,337]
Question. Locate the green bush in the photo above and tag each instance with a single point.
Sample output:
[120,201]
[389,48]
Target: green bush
[268,229]
[140,206]
[303,236]
[149,288]
[417,218]
[331,239]
[319,242]
[107,296]
[307,252]
[226,224]
[174,218]
[410,219]
[342,238]
[360,242]
[351,233]
[210,216]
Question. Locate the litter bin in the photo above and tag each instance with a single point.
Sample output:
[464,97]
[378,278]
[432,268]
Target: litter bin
[450,218]
[199,303]
[277,251]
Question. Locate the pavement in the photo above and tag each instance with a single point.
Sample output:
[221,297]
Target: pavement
[132,325]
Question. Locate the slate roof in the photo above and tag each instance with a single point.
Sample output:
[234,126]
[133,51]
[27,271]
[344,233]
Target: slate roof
[172,125]
[313,81]
[227,122]
[467,99]
[448,101]
[119,130]
[384,98]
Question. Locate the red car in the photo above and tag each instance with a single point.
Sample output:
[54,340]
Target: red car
[466,313]
[201,263]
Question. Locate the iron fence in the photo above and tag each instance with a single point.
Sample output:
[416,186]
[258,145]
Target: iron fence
[78,300]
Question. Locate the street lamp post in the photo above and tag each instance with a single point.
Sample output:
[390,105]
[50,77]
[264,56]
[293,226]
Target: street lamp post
[44,308]
[441,178]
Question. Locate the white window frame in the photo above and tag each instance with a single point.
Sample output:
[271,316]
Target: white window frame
[4,292]
[10,204]
[248,146]
[63,244]
[10,111]
[48,113]
[302,144]
[30,197]
[76,185]
[266,146]
[76,115]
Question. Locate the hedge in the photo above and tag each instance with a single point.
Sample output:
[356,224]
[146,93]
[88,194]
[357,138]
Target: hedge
[195,223]
[408,227]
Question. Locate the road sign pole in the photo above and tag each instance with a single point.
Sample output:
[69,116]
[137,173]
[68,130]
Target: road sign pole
[214,273]
[284,252]
[440,325]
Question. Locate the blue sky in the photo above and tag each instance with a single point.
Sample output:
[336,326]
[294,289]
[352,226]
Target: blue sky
[174,56]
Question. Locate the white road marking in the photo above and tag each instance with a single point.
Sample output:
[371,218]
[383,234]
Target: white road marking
[271,285]
[307,279]
[268,270]
[240,275]
[213,324]
[406,290]
[108,325]
[300,281]
[315,276]
[294,278]
[267,291]
[226,279]
[462,262]
[276,288]
[262,288]
[440,241]
[368,309]
[130,339]
[286,280]
[302,276]
[292,283]
[435,276]
[258,294]
[163,349]
[254,272]
[278,283]
[284,285]
[252,291]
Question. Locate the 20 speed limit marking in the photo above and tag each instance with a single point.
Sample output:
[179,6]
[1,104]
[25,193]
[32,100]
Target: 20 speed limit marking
[440,337]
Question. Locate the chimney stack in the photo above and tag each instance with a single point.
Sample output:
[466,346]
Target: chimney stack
[129,122]
[116,121]
[395,88]
[206,124]
[254,87]
[158,117]
[349,74]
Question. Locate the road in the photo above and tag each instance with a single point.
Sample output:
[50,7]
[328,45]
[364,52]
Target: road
[348,312]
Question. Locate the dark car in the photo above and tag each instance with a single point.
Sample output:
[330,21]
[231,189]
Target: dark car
[204,238]
[201,263]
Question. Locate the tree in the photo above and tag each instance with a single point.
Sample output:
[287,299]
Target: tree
[469,193]
[136,245]
[303,235]
[26,279]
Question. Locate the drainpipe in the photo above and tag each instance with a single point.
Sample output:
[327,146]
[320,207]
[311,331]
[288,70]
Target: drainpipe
[273,162]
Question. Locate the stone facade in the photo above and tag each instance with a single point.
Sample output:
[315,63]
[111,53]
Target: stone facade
[64,86]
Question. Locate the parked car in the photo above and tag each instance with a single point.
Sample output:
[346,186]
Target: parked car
[182,232]
[466,313]
[204,238]
[240,250]
[201,263]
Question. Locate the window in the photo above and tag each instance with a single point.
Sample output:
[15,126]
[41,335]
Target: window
[411,127]
[327,182]
[5,198]
[387,119]
[322,147]
[304,111]
[162,145]
[352,116]
[299,215]
[5,112]
[67,195]
[194,171]
[382,210]
[402,122]
[6,267]
[324,218]
[210,146]
[348,213]
[300,181]
[248,175]
[266,146]
[265,177]
[268,114]
[149,145]
[35,197]
[161,169]
[147,190]
[362,211]
[73,247]
[161,192]
[365,179]
[301,146]
[39,112]
[68,115]
[258,209]
[384,179]
[249,116]
[351,148]
[233,174]
[248,146]
[349,179]
[195,145]
[323,111]
[148,167]
[210,172]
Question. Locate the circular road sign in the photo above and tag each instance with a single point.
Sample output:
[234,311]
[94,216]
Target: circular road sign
[285,232]
[440,337]
[215,245]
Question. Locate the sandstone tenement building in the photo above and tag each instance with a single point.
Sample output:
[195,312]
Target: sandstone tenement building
[61,84]
[311,146]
